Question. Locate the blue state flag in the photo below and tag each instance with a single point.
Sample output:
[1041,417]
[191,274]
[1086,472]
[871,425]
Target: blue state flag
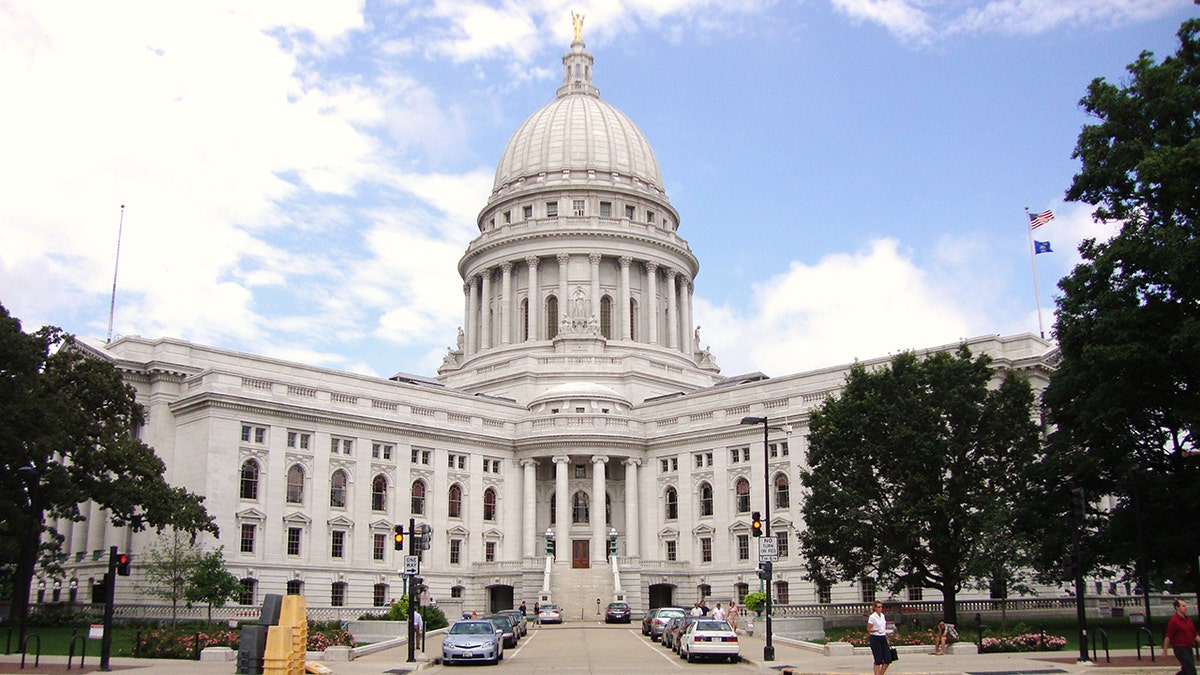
[1041,247]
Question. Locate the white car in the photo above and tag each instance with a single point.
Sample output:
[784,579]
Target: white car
[549,613]
[709,637]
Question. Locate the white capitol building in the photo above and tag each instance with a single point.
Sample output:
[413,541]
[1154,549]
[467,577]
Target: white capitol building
[578,403]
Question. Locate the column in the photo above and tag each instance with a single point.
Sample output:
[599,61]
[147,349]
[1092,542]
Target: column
[632,531]
[529,529]
[95,529]
[562,509]
[623,291]
[599,524]
[672,312]
[473,315]
[485,311]
[535,298]
[594,259]
[687,328]
[79,533]
[466,325]
[652,303]
[564,302]
[505,303]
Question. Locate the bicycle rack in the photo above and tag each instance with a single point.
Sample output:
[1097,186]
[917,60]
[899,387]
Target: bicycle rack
[37,656]
[75,636]
[1103,635]
[1137,639]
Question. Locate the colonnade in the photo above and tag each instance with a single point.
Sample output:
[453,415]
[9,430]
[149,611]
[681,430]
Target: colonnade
[531,534]
[483,300]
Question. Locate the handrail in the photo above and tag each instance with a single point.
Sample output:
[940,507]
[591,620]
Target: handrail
[37,657]
[1103,635]
[1137,639]
[82,652]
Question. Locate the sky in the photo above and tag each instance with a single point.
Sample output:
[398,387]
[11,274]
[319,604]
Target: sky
[299,179]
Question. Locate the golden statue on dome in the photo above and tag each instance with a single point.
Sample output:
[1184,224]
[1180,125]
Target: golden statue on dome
[577,21]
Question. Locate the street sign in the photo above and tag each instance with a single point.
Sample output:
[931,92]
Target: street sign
[768,549]
[411,564]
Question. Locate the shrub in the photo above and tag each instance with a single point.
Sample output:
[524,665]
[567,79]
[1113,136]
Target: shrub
[754,601]
[186,642]
[1024,642]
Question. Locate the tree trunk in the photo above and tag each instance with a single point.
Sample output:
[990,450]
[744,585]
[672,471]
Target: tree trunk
[950,606]
[26,562]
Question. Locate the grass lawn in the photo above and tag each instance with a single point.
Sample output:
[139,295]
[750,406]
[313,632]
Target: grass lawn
[56,641]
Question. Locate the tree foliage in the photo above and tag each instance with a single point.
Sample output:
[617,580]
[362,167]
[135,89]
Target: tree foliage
[171,562]
[70,436]
[211,582]
[916,470]
[1125,400]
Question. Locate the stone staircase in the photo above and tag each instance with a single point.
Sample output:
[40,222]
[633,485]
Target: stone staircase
[576,590]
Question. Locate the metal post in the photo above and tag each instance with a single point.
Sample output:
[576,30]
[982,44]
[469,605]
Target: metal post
[110,593]
[412,590]
[769,648]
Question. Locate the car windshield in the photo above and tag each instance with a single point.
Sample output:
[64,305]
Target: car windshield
[549,608]
[712,625]
[668,613]
[618,605]
[472,628]
[502,621]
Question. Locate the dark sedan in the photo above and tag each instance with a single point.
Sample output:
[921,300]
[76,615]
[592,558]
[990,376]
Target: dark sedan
[618,612]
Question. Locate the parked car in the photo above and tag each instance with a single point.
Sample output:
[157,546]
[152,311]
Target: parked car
[472,641]
[661,616]
[709,637]
[668,633]
[518,619]
[618,612]
[676,629]
[509,633]
[550,613]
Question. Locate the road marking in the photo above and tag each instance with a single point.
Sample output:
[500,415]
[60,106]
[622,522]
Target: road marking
[654,646]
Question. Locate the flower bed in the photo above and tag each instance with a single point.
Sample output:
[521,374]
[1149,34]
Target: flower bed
[1025,642]
[186,643]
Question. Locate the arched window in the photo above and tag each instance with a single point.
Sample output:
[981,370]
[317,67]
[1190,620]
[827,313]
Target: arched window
[606,316]
[553,509]
[524,320]
[672,502]
[249,489]
[741,490]
[633,323]
[579,508]
[455,501]
[489,504]
[379,493]
[782,491]
[706,499]
[295,484]
[337,489]
[551,317]
[418,497]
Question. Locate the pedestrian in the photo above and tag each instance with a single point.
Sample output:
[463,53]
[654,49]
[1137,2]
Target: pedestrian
[877,635]
[703,607]
[939,639]
[537,613]
[1181,635]
[696,609]
[419,628]
[731,615]
[523,608]
[718,612]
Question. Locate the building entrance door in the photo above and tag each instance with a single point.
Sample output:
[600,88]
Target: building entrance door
[579,553]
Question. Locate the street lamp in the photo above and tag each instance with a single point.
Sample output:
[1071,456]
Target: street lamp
[769,649]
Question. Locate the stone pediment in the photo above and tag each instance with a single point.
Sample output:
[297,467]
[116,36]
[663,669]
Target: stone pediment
[668,533]
[251,514]
[703,530]
[297,518]
[340,521]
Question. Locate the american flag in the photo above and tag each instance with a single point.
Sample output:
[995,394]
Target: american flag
[1037,220]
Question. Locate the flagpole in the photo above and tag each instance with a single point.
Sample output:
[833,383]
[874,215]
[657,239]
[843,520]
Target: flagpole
[112,303]
[1037,293]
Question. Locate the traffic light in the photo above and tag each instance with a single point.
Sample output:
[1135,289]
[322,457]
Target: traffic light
[756,524]
[399,537]
[421,537]
[1070,568]
[123,564]
[549,543]
[612,545]
[764,571]
[1078,502]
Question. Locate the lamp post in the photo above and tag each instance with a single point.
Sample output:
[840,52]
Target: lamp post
[769,649]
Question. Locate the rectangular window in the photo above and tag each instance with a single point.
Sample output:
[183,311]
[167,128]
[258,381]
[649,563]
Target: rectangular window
[577,208]
[581,471]
[425,455]
[337,544]
[629,212]
[666,466]
[781,592]
[699,461]
[916,594]
[298,440]
[337,595]
[672,550]
[293,540]
[743,547]
[246,597]
[251,433]
[705,549]
[341,445]
[247,539]
[824,595]
[507,217]
[379,597]
[746,454]
[455,551]
[606,209]
[779,449]
[649,216]
[551,209]
[382,450]
[379,542]
[782,540]
[527,212]
[866,589]
[489,551]
[735,455]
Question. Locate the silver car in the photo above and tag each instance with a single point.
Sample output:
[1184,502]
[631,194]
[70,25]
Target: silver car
[472,641]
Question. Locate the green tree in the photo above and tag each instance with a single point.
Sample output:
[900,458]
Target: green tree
[916,470]
[211,582]
[70,436]
[171,562]
[1126,398]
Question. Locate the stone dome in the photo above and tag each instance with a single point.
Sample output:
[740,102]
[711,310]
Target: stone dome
[577,132]
[579,391]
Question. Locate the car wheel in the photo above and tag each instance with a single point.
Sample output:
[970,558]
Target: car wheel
[690,658]
[734,658]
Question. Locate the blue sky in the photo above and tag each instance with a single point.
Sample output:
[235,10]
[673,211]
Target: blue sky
[300,178]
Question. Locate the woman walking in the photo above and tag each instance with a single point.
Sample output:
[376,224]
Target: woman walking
[877,635]
[731,615]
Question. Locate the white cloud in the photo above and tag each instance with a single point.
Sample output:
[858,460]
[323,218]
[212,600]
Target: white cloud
[898,16]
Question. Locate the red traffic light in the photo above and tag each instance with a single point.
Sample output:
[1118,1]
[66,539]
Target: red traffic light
[123,564]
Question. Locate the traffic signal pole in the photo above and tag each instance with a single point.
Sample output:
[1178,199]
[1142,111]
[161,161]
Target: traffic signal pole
[110,594]
[412,591]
